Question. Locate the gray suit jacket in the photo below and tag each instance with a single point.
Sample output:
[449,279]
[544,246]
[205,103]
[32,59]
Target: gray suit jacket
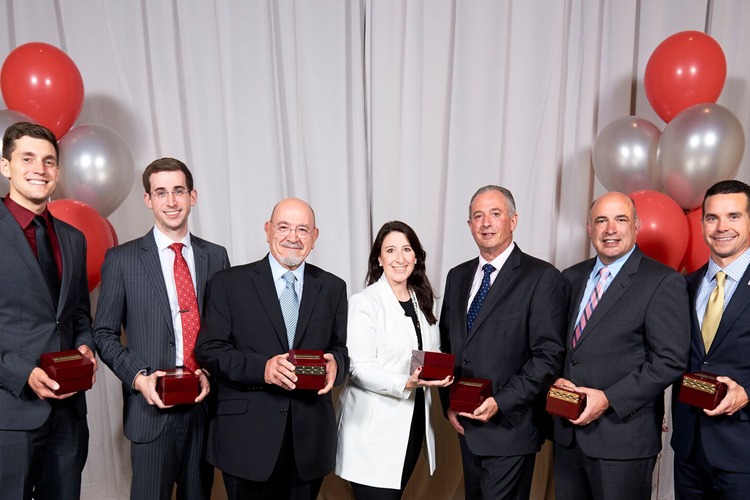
[31,324]
[634,345]
[133,295]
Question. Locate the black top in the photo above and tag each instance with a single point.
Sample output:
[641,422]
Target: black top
[409,310]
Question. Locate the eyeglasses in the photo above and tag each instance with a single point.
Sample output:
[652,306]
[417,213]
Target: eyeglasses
[162,193]
[302,232]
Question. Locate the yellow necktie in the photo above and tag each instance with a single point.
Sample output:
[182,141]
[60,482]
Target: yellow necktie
[714,310]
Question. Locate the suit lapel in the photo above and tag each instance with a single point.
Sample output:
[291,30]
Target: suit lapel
[151,263]
[201,271]
[737,305]
[17,243]
[263,280]
[505,277]
[310,293]
[465,286]
[578,287]
[693,283]
[613,293]
[66,252]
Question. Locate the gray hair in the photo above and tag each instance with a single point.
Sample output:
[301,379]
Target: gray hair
[509,201]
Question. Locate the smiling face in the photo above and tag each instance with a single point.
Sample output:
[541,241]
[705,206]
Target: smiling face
[33,172]
[171,212]
[397,258]
[612,226]
[726,226]
[491,223]
[291,232]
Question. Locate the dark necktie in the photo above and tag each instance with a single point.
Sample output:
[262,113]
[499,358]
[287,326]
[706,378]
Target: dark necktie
[594,298]
[47,257]
[481,294]
[189,314]
[289,307]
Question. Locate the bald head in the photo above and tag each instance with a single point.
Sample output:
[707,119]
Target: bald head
[613,226]
[291,232]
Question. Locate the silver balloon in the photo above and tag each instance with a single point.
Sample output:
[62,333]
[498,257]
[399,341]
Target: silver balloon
[624,155]
[8,118]
[96,168]
[700,146]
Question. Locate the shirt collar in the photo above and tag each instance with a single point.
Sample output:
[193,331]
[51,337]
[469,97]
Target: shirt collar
[23,215]
[613,268]
[277,270]
[498,261]
[734,270]
[163,241]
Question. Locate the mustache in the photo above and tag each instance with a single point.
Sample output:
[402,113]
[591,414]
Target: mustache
[296,246]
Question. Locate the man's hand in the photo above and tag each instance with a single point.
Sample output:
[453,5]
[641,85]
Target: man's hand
[332,369]
[567,384]
[279,371]
[485,412]
[146,385]
[84,349]
[596,404]
[44,386]
[414,381]
[453,419]
[735,400]
[205,385]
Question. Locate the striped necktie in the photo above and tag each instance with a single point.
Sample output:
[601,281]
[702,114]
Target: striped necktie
[596,295]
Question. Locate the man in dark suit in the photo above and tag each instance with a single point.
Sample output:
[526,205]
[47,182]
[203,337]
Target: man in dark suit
[627,341]
[43,435]
[515,340]
[142,290]
[712,447]
[269,439]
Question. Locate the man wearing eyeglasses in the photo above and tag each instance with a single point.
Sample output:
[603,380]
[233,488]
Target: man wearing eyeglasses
[154,287]
[271,439]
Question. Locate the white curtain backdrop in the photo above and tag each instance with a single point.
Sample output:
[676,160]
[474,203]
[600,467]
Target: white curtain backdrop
[371,110]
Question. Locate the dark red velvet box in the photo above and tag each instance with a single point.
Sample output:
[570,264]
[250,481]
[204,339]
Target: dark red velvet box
[310,368]
[466,394]
[178,387]
[565,403]
[701,389]
[435,365]
[71,369]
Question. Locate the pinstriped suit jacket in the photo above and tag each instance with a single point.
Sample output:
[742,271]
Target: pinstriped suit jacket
[30,324]
[133,296]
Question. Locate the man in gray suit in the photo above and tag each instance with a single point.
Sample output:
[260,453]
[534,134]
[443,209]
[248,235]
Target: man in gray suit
[139,292]
[628,338]
[43,435]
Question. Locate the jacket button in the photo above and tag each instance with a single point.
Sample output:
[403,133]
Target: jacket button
[171,343]
[284,411]
[706,363]
[466,361]
[573,363]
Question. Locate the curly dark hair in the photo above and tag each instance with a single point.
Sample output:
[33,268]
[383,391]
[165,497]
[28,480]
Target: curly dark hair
[418,280]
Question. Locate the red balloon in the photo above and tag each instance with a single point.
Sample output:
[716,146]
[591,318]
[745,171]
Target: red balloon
[664,230]
[685,69]
[41,81]
[93,226]
[697,251]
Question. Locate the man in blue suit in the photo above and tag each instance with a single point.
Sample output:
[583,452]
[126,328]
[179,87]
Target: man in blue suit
[140,293]
[43,435]
[712,447]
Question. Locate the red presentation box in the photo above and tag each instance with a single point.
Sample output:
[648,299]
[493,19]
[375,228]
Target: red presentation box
[435,365]
[701,389]
[71,369]
[565,403]
[178,387]
[466,394]
[310,368]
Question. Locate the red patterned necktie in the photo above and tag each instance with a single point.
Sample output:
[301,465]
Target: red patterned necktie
[593,301]
[189,314]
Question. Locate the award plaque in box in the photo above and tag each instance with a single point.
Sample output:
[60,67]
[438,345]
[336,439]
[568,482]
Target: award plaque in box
[71,369]
[565,402]
[435,365]
[178,387]
[310,368]
[701,389]
[466,394]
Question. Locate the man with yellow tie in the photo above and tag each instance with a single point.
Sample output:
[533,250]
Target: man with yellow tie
[712,447]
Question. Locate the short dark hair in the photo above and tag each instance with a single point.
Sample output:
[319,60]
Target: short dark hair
[26,129]
[166,165]
[418,280]
[730,186]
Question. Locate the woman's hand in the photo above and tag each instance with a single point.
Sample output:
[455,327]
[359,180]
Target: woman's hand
[414,381]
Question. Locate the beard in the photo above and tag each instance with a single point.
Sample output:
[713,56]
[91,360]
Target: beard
[292,261]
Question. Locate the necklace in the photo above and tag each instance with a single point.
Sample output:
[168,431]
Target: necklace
[414,303]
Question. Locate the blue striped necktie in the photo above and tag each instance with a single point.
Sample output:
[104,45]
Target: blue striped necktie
[289,306]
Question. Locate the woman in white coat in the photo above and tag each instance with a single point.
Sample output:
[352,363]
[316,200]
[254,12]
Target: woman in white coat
[383,412]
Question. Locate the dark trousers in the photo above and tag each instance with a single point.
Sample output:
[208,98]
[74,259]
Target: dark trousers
[696,479]
[579,477]
[497,478]
[413,449]
[46,462]
[175,457]
[284,482]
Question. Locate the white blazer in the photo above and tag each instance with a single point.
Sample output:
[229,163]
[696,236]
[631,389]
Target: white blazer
[374,410]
